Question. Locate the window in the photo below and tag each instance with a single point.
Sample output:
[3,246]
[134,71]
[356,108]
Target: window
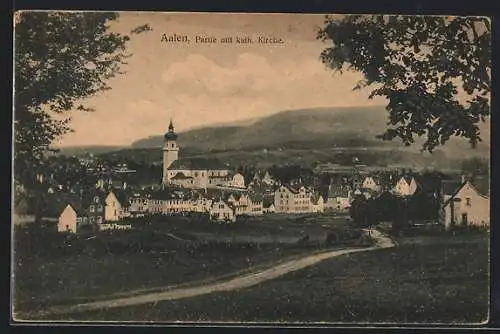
[172,145]
[467,201]
[99,208]
[92,208]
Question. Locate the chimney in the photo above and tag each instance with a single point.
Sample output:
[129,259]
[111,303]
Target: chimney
[463,178]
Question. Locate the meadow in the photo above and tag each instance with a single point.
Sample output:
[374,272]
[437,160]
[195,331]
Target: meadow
[425,280]
[53,268]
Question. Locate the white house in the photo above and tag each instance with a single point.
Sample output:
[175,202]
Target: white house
[117,206]
[267,179]
[465,206]
[370,183]
[238,181]
[292,200]
[201,204]
[222,211]
[245,204]
[317,203]
[255,205]
[405,187]
[71,219]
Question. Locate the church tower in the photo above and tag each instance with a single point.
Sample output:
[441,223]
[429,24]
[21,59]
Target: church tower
[170,150]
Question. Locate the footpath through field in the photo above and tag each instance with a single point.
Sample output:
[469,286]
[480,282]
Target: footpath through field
[240,282]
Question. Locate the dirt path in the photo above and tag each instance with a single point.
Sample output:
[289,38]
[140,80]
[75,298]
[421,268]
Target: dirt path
[240,282]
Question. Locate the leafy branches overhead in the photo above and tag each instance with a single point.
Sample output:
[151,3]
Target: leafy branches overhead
[434,71]
[60,59]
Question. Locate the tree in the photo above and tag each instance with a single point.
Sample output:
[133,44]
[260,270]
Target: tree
[61,58]
[359,211]
[418,63]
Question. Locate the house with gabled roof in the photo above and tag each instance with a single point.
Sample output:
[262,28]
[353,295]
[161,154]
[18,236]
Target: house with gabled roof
[95,204]
[237,181]
[370,183]
[405,186]
[117,205]
[200,203]
[72,218]
[222,211]
[464,204]
[296,199]
[268,179]
[77,211]
[255,204]
[338,196]
[317,203]
[263,177]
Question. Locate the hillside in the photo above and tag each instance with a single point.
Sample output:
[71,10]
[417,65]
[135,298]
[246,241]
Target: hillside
[315,128]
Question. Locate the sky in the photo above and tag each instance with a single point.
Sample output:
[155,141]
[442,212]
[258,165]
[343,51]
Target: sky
[199,84]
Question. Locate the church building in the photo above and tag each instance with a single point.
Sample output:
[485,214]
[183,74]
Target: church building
[194,172]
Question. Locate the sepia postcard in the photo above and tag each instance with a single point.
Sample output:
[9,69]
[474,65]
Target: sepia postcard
[238,168]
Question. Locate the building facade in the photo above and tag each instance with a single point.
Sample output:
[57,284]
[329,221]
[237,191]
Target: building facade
[466,206]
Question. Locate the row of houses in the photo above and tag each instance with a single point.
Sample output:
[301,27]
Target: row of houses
[462,201]
[261,196]
[219,205]
[97,211]
[341,192]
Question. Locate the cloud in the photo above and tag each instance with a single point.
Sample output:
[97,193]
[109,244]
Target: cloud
[197,91]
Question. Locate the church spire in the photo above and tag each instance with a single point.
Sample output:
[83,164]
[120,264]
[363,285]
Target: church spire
[171,126]
[171,135]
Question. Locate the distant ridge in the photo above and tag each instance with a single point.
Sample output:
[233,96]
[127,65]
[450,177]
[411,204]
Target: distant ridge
[314,128]
[308,128]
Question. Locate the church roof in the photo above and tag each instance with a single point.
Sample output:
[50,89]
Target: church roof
[197,164]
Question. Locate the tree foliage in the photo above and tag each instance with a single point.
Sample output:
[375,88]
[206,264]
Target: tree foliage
[61,58]
[419,63]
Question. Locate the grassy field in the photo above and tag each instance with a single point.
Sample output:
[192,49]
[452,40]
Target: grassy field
[425,280]
[273,228]
[52,268]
